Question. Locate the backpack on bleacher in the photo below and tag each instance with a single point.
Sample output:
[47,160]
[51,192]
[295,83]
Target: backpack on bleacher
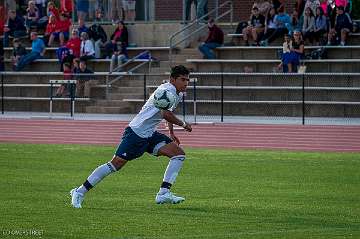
[317,54]
[240,27]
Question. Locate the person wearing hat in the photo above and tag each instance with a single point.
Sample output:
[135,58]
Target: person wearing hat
[343,25]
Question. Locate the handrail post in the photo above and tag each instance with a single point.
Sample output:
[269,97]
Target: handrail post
[107,88]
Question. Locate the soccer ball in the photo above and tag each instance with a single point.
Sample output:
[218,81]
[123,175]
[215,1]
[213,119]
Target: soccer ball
[163,99]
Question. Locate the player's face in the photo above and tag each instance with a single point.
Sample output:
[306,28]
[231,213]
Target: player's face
[181,82]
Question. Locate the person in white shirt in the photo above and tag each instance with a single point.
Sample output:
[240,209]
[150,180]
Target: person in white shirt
[141,136]
[87,50]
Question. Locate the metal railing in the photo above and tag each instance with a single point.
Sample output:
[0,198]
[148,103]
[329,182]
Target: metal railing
[130,71]
[197,22]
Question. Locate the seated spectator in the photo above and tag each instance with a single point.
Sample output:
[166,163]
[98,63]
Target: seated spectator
[270,26]
[343,26]
[87,50]
[15,27]
[324,6]
[52,10]
[286,50]
[18,52]
[214,39]
[320,25]
[37,51]
[50,29]
[62,29]
[292,60]
[120,36]
[2,20]
[32,16]
[283,23]
[84,82]
[61,91]
[82,27]
[308,25]
[98,35]
[74,44]
[256,26]
[66,6]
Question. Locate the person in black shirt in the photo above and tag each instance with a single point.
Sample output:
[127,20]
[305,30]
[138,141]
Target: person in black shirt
[83,83]
[15,27]
[256,27]
[343,25]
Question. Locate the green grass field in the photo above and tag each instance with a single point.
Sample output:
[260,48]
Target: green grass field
[230,194]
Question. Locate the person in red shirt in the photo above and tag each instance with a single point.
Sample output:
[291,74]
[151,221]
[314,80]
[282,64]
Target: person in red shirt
[50,29]
[62,29]
[53,10]
[74,43]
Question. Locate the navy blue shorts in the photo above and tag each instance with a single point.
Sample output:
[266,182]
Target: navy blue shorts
[132,146]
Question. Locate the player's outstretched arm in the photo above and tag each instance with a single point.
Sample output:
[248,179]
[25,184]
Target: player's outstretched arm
[171,118]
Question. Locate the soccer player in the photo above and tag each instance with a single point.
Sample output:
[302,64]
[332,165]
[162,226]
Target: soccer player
[141,136]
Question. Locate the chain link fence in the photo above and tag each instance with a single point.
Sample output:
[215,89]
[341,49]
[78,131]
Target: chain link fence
[211,97]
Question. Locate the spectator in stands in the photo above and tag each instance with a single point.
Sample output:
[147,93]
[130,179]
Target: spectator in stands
[98,35]
[256,27]
[129,9]
[283,23]
[32,16]
[50,29]
[2,20]
[117,57]
[324,6]
[37,51]
[74,44]
[287,46]
[61,91]
[83,83]
[263,6]
[66,6]
[15,27]
[215,39]
[270,25]
[187,6]
[75,65]
[41,6]
[52,10]
[343,26]
[308,25]
[62,29]
[18,51]
[87,50]
[117,11]
[82,27]
[320,25]
[292,60]
[120,36]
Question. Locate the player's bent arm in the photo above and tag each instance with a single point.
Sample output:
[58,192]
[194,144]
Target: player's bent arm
[171,118]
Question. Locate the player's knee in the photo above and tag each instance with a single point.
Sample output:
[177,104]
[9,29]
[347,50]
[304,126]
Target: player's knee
[118,162]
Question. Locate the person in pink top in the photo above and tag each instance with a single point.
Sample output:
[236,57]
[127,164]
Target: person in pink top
[341,3]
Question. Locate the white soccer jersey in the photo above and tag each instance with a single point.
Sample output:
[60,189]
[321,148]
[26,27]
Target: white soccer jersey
[146,121]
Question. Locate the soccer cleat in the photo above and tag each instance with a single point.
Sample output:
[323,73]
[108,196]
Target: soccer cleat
[76,198]
[168,197]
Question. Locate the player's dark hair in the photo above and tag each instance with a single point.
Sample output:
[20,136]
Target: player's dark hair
[179,70]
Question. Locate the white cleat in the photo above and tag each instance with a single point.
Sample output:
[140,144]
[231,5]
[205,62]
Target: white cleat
[168,198]
[76,198]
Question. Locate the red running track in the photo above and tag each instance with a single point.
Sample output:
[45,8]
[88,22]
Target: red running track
[239,136]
